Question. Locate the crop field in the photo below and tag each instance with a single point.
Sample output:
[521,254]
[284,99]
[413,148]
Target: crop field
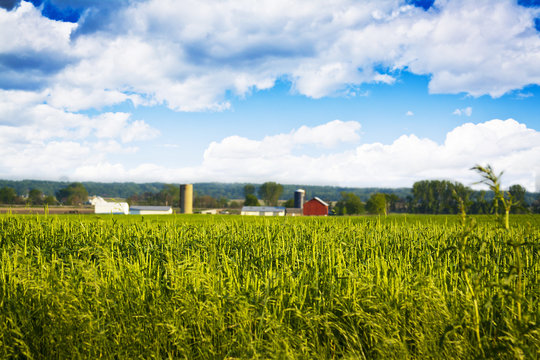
[228,287]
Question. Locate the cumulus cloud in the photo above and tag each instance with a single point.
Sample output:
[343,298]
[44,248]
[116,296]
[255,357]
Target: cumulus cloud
[505,144]
[326,135]
[38,140]
[409,113]
[190,55]
[33,49]
[465,112]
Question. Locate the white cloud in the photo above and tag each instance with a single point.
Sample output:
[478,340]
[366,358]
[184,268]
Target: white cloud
[465,112]
[326,135]
[38,140]
[409,113]
[505,144]
[26,29]
[189,54]
[117,125]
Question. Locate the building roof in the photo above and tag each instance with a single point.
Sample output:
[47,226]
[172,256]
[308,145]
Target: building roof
[293,210]
[263,208]
[319,200]
[150,208]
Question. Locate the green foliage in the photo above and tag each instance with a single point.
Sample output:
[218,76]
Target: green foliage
[479,203]
[50,200]
[205,202]
[249,190]
[493,181]
[152,193]
[73,194]
[289,203]
[170,194]
[438,197]
[377,204]
[199,287]
[270,193]
[536,206]
[518,193]
[8,196]
[349,204]
[251,200]
[35,197]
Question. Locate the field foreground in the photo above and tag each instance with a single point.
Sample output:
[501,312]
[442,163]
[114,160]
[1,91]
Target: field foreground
[212,287]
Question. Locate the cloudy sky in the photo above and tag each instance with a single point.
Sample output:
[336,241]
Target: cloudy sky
[342,92]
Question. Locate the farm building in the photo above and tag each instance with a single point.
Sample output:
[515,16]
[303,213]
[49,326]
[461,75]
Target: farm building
[150,210]
[263,210]
[101,206]
[316,207]
[293,212]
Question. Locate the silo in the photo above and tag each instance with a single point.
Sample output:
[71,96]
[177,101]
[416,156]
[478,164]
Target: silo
[186,199]
[299,198]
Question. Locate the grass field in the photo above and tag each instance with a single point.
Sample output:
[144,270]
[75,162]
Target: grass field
[214,287]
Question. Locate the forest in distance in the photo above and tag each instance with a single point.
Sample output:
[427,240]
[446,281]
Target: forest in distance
[216,190]
[425,197]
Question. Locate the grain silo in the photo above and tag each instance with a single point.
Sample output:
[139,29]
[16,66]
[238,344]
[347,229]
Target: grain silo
[299,198]
[186,199]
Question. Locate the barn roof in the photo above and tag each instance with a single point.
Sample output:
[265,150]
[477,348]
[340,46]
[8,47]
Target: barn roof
[263,208]
[319,200]
[151,208]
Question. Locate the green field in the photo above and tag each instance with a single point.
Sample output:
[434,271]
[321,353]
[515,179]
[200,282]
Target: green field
[215,287]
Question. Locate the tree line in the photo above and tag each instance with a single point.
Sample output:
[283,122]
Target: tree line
[124,190]
[425,197]
[73,194]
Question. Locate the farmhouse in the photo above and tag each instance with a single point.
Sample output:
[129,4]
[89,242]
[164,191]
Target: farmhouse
[263,210]
[101,206]
[150,210]
[315,207]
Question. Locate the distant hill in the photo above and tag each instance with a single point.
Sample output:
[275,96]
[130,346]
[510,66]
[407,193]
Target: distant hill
[214,189]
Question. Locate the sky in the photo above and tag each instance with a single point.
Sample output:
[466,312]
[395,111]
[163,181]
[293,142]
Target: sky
[378,93]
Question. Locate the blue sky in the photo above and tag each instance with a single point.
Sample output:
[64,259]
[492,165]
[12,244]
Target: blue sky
[350,93]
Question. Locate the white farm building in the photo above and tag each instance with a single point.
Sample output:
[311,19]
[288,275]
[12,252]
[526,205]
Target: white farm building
[263,210]
[101,206]
[150,210]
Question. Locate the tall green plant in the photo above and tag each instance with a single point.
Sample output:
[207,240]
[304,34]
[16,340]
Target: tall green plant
[493,181]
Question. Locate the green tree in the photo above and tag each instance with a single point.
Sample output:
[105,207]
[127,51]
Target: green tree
[479,203]
[439,196]
[205,202]
[349,204]
[536,206]
[235,204]
[170,194]
[50,200]
[73,194]
[35,197]
[391,201]
[270,193]
[222,202]
[8,195]
[249,190]
[377,204]
[251,200]
[518,192]
[289,203]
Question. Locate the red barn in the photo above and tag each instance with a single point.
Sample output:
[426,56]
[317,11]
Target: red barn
[316,207]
